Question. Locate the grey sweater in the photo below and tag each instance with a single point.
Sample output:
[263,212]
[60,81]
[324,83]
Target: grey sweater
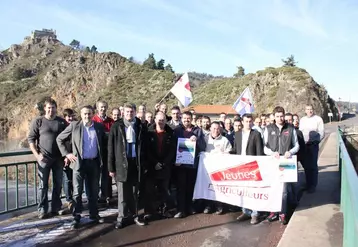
[43,133]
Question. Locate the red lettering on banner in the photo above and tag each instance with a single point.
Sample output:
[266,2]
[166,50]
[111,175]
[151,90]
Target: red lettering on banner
[246,172]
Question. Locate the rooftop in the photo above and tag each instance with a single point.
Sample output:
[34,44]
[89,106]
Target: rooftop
[211,109]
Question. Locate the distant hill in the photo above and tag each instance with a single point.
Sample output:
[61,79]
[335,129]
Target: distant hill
[46,67]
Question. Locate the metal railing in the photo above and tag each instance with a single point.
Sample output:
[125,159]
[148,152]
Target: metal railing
[19,182]
[349,194]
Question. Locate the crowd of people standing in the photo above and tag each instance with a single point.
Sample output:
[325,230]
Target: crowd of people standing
[137,148]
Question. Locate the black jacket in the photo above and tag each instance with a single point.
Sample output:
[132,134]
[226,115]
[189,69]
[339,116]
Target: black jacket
[254,144]
[117,149]
[301,141]
[167,155]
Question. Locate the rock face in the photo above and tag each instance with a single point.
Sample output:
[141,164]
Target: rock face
[289,87]
[45,67]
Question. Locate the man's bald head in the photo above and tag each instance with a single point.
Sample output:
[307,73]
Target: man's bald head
[160,120]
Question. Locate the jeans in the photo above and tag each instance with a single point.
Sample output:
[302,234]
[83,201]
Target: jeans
[67,183]
[44,168]
[89,174]
[250,212]
[310,165]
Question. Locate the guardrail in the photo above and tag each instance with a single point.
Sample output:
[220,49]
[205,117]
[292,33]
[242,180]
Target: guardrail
[349,194]
[20,190]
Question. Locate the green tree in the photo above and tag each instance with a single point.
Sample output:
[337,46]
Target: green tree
[87,49]
[160,64]
[93,49]
[169,68]
[150,62]
[289,62]
[75,44]
[240,72]
[131,59]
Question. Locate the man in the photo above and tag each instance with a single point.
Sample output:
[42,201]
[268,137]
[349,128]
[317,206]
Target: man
[205,125]
[237,125]
[101,116]
[312,128]
[42,141]
[216,143]
[116,114]
[141,113]
[257,126]
[248,142]
[267,120]
[175,114]
[263,118]
[160,157]
[105,180]
[257,122]
[88,138]
[193,122]
[68,115]
[186,176]
[149,118]
[125,153]
[121,109]
[280,139]
[228,131]
[272,118]
[296,121]
[162,108]
[237,116]
[222,117]
[142,108]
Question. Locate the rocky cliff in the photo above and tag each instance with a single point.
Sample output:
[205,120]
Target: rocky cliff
[46,67]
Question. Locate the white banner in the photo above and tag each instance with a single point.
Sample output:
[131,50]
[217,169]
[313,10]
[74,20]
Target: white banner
[252,182]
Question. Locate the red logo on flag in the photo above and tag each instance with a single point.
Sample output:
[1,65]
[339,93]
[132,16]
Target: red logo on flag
[246,172]
[246,100]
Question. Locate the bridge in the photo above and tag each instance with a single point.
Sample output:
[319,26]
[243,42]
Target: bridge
[327,218]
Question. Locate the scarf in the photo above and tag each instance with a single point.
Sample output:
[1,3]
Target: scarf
[130,133]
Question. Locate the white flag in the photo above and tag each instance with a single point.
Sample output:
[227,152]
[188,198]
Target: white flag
[181,90]
[245,103]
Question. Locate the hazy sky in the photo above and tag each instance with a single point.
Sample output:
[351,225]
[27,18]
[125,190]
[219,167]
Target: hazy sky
[206,35]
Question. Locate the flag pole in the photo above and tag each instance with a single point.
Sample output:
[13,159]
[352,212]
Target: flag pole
[164,97]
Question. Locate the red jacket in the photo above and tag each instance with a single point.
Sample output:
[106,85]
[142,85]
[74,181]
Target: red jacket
[107,122]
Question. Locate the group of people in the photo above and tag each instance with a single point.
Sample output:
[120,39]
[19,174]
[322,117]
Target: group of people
[137,149]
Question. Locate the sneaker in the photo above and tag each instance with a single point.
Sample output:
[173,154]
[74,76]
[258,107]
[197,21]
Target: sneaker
[243,217]
[283,219]
[272,217]
[97,219]
[140,222]
[75,224]
[207,210]
[42,215]
[254,220]
[219,211]
[180,215]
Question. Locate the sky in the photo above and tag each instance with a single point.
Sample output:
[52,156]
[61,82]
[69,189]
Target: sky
[208,36]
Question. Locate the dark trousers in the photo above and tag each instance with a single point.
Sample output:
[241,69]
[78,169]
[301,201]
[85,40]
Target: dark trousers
[68,183]
[89,174]
[151,194]
[310,165]
[128,193]
[105,180]
[44,168]
[186,178]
